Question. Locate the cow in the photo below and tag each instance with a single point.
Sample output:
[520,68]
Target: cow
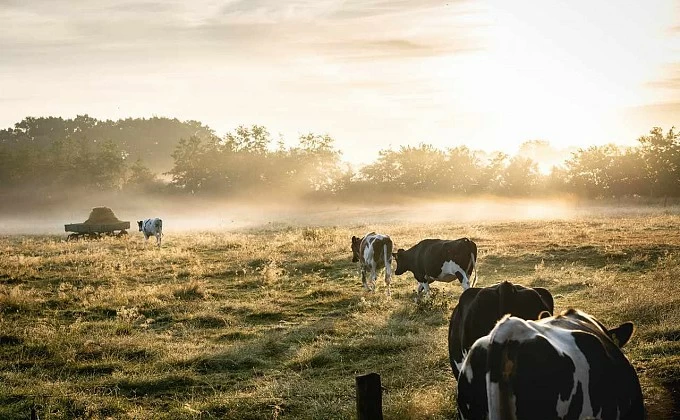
[568,366]
[479,309]
[151,227]
[439,260]
[373,251]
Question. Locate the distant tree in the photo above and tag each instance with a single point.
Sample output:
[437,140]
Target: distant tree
[628,174]
[491,179]
[422,168]
[255,139]
[520,177]
[661,156]
[465,170]
[141,178]
[319,159]
[189,173]
[591,171]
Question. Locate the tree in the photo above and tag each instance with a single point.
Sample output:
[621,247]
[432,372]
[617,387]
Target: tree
[189,173]
[520,177]
[591,170]
[141,178]
[319,161]
[661,156]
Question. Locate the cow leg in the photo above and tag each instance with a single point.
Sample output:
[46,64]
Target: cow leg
[158,239]
[374,275]
[363,277]
[465,281]
[388,279]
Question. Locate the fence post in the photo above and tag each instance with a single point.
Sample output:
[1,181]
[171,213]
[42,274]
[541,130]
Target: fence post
[369,397]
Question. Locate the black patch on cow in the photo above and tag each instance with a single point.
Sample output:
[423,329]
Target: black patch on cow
[576,404]
[539,376]
[614,386]
[472,402]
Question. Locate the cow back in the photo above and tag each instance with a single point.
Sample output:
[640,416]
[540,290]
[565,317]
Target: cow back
[560,367]
[479,309]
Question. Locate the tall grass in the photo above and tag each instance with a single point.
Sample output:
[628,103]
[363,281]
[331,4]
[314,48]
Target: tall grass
[273,322]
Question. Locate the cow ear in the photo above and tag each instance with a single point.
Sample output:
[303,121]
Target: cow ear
[621,334]
[544,314]
[547,298]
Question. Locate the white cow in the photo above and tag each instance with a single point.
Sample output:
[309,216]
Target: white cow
[151,227]
[374,251]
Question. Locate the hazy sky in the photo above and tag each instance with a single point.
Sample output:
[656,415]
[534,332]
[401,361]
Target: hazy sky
[371,73]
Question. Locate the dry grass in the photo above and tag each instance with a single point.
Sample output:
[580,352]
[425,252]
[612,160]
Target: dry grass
[273,322]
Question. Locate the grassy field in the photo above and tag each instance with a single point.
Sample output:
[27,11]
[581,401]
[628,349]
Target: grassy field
[272,322]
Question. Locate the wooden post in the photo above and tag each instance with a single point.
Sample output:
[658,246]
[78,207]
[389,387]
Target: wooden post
[369,397]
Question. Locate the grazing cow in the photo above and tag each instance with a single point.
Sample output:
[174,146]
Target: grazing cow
[479,310]
[151,227]
[568,367]
[374,251]
[439,260]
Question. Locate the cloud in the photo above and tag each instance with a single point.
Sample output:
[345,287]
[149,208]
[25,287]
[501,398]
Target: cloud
[119,30]
[671,79]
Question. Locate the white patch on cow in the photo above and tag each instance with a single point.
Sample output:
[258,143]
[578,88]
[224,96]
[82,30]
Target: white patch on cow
[458,365]
[565,344]
[465,367]
[449,270]
[516,329]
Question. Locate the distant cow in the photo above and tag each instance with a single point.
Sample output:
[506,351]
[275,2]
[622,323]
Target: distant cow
[479,309]
[151,227]
[439,260]
[373,251]
[568,366]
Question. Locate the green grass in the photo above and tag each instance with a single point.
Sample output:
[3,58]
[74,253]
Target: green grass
[273,322]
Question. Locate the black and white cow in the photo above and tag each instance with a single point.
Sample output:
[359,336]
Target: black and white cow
[151,227]
[439,260]
[568,367]
[479,309]
[373,251]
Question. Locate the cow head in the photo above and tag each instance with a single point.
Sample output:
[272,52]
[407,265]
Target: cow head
[402,264]
[619,335]
[139,223]
[356,243]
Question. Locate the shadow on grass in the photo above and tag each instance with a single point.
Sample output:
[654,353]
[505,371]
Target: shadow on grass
[166,385]
[640,258]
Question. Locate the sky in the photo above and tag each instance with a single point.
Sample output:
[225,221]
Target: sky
[373,74]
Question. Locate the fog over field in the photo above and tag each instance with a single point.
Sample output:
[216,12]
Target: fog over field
[194,214]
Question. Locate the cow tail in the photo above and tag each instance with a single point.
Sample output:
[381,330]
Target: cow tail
[473,266]
[387,258]
[502,364]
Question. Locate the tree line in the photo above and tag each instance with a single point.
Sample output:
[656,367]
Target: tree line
[170,156]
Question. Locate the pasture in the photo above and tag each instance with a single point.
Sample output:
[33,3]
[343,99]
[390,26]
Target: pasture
[272,322]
